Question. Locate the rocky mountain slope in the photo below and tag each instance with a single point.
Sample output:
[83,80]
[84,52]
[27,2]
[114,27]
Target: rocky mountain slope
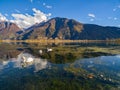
[59,28]
[63,28]
[8,30]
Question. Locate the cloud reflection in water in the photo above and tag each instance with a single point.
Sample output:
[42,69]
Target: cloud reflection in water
[25,60]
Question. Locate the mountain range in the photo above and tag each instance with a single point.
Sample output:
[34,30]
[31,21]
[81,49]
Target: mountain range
[8,30]
[59,28]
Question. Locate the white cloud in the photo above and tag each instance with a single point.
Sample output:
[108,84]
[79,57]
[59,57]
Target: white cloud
[44,4]
[118,25]
[31,1]
[17,11]
[47,6]
[26,9]
[115,18]
[114,9]
[3,18]
[91,19]
[6,14]
[118,6]
[109,17]
[91,15]
[26,20]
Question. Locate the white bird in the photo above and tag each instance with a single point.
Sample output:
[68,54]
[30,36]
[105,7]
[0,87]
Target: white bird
[49,50]
[29,59]
[40,51]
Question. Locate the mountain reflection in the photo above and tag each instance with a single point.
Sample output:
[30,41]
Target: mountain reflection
[23,66]
[25,60]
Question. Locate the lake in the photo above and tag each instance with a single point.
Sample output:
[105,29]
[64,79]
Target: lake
[59,66]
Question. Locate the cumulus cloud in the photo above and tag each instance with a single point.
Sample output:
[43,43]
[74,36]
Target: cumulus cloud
[3,18]
[91,15]
[26,20]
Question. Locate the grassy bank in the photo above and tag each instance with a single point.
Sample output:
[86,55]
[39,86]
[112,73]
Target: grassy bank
[56,41]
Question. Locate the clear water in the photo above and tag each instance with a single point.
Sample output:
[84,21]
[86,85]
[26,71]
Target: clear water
[73,66]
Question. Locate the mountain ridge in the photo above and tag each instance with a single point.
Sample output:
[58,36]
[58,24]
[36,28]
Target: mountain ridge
[8,30]
[70,29]
[62,29]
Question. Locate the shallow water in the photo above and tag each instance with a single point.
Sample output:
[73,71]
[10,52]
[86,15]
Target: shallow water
[75,66]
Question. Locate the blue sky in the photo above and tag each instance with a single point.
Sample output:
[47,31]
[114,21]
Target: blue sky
[101,12]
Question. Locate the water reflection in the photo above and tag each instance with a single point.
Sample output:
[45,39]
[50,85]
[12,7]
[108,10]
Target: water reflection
[102,66]
[106,68]
[25,60]
[31,66]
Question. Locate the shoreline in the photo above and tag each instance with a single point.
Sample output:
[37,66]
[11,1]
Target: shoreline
[58,41]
